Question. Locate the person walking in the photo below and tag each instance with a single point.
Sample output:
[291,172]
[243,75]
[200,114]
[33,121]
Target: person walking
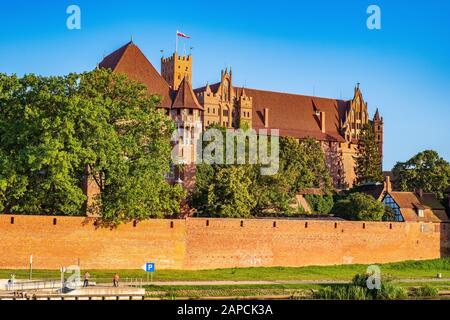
[116,279]
[86,279]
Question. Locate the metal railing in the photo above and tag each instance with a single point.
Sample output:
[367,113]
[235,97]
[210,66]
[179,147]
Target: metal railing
[32,285]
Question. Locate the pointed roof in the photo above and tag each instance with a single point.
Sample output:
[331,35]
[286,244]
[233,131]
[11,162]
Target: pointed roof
[377,116]
[130,60]
[185,98]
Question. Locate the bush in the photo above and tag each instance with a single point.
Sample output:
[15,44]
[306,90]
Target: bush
[426,291]
[389,214]
[320,204]
[358,291]
[348,292]
[359,207]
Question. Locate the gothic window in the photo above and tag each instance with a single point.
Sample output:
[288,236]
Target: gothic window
[225,113]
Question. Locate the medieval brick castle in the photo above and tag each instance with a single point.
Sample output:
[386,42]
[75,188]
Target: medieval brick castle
[336,124]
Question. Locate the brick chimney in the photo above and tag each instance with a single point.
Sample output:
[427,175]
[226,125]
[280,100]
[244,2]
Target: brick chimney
[322,121]
[420,193]
[388,184]
[266,117]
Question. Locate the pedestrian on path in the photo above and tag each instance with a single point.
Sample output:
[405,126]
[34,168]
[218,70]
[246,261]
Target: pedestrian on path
[116,279]
[86,280]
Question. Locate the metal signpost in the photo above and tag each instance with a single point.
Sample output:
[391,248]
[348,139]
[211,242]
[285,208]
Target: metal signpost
[31,266]
[149,267]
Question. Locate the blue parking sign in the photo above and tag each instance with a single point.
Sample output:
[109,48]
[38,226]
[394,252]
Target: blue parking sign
[150,267]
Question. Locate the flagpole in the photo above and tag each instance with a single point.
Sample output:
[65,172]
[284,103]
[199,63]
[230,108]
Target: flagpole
[176,42]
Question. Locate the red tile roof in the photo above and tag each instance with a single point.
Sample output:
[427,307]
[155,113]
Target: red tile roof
[409,202]
[185,98]
[130,60]
[294,115]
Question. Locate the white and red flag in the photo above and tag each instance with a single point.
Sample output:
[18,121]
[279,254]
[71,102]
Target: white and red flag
[182,35]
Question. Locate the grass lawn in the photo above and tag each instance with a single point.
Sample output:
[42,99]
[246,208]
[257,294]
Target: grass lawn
[406,269]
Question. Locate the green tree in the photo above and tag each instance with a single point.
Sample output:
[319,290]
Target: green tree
[320,204]
[53,128]
[302,165]
[426,171]
[38,141]
[359,207]
[368,158]
[230,196]
[126,140]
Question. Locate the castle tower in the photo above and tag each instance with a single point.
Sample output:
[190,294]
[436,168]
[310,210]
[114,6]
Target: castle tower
[176,68]
[245,110]
[378,129]
[187,114]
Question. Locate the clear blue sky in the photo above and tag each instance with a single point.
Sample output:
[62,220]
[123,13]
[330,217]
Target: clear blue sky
[321,47]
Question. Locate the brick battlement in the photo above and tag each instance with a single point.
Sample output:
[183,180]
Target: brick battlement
[214,243]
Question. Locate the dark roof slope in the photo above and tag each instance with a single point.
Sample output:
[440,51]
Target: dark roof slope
[130,60]
[185,98]
[376,190]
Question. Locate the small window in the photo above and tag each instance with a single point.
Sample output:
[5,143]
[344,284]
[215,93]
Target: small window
[335,225]
[54,221]
[12,220]
[242,223]
[306,225]
[390,226]
[171,224]
[364,225]
[274,224]
[207,223]
[420,213]
[135,223]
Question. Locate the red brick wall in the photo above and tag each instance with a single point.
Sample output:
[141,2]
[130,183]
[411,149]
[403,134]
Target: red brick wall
[53,246]
[213,243]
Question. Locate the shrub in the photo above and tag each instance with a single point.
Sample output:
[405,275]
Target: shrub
[389,214]
[320,204]
[359,207]
[358,290]
[426,291]
[348,292]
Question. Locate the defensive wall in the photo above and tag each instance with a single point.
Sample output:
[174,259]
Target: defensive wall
[213,243]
